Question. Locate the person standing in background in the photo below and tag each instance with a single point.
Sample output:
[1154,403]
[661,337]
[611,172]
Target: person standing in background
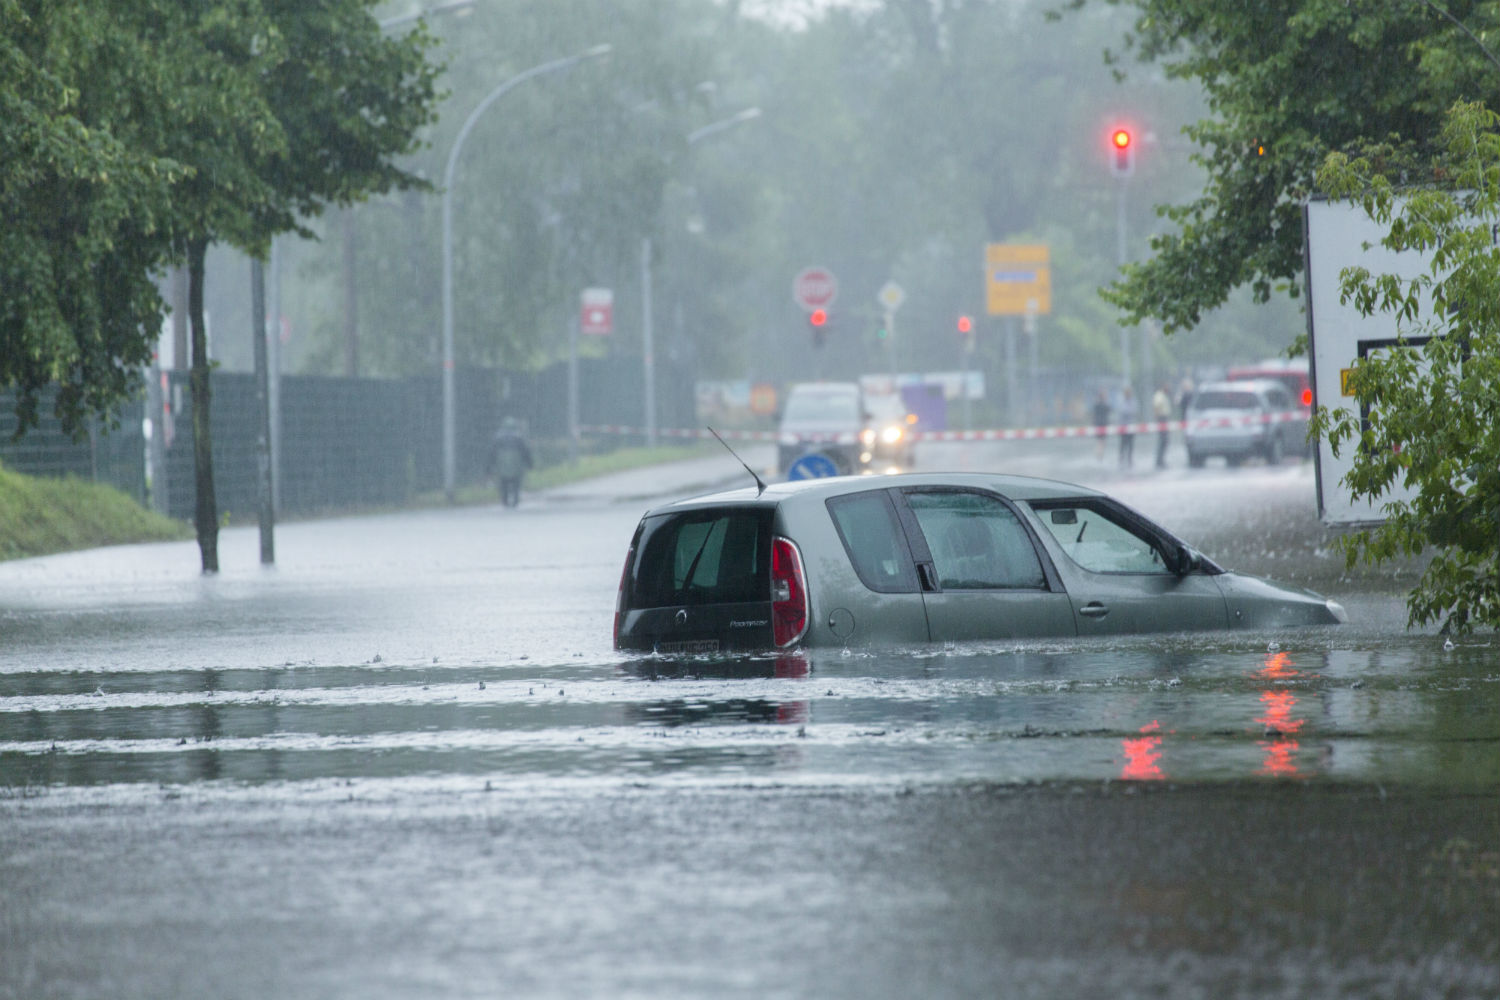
[1127,414]
[1161,410]
[1100,414]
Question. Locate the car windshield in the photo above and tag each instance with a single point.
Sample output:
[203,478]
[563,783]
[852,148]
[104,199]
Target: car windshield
[810,407]
[886,409]
[1224,399]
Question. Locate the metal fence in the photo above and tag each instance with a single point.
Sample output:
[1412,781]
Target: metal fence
[113,455]
[343,443]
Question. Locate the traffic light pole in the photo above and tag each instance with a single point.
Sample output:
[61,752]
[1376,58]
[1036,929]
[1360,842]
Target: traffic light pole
[890,336]
[1120,260]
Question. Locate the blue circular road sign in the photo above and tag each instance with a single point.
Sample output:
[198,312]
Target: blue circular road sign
[812,466]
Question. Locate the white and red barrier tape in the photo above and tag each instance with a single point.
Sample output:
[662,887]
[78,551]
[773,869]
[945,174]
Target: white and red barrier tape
[1018,434]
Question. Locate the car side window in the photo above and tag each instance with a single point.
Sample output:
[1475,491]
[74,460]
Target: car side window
[871,533]
[1100,543]
[976,541]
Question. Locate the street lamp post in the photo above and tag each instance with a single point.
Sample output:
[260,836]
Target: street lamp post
[648,334]
[449,438]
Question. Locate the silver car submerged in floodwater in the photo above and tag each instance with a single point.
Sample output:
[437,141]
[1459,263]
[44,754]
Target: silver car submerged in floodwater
[924,558]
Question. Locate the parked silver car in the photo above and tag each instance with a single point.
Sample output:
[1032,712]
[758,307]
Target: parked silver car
[924,558]
[1243,419]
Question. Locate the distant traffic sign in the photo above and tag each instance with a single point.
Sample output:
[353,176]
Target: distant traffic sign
[1017,279]
[815,288]
[597,312]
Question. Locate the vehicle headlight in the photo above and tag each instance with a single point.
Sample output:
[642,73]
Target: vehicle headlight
[891,434]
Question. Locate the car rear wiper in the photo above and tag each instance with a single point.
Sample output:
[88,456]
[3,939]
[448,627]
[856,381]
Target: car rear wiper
[687,581]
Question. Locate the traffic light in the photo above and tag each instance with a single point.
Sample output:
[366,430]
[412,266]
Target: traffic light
[818,320]
[966,332]
[1122,152]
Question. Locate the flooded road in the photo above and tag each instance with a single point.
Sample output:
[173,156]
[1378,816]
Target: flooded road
[406,762]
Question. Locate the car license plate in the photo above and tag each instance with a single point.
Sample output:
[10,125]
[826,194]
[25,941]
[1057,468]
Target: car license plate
[689,646]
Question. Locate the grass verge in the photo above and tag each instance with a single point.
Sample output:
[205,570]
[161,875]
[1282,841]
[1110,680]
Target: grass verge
[40,515]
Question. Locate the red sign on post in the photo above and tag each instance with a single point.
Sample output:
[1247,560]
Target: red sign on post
[598,312]
[815,288]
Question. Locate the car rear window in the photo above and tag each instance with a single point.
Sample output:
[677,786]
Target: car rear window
[702,557]
[871,534]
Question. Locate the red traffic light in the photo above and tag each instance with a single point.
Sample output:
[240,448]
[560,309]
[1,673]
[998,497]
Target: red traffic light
[965,325]
[1121,151]
[818,317]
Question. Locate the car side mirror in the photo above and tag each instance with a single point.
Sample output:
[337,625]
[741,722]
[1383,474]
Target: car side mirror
[1186,560]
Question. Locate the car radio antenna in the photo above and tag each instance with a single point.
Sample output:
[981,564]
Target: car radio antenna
[760,486]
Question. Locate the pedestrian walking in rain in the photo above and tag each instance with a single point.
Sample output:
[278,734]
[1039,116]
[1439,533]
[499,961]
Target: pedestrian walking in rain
[510,457]
[1128,414]
[1161,410]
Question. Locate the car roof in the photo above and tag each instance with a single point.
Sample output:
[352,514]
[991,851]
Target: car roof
[825,387]
[1271,366]
[1012,487]
[1241,385]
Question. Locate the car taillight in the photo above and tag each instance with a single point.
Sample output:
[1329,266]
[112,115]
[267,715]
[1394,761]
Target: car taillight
[620,594]
[788,593]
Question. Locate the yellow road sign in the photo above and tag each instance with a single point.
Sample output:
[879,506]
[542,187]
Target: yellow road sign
[1345,377]
[1017,278]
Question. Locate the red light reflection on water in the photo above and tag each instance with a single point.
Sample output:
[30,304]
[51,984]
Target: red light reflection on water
[795,668]
[1276,720]
[1143,755]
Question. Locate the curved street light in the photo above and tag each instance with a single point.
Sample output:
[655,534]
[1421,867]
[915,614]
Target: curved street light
[449,437]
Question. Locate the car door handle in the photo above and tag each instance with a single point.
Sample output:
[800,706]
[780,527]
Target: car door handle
[1093,610]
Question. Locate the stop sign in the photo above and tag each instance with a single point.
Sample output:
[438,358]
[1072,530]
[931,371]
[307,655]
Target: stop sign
[815,288]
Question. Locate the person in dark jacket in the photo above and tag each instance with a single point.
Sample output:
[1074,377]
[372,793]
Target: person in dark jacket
[510,457]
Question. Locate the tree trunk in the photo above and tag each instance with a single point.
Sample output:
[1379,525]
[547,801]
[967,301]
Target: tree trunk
[205,512]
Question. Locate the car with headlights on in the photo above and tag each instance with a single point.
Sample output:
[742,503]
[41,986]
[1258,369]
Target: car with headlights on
[824,418]
[888,437]
[923,558]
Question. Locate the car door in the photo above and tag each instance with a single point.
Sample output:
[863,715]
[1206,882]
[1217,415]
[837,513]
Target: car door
[1122,573]
[881,601]
[981,571]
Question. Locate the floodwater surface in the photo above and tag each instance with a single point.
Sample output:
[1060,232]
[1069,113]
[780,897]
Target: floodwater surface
[406,763]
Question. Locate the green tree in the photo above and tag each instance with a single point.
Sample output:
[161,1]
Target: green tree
[276,108]
[1287,81]
[85,215]
[1435,410]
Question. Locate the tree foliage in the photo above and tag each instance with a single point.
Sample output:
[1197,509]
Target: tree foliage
[140,132]
[894,141]
[86,214]
[1434,411]
[1287,81]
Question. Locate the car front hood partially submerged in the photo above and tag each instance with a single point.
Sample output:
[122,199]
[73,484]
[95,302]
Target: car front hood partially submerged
[1257,603]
